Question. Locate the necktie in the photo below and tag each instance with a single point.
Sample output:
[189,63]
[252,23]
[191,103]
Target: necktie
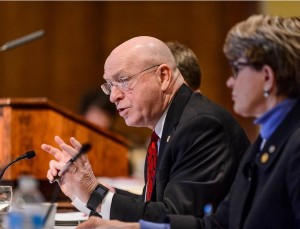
[151,164]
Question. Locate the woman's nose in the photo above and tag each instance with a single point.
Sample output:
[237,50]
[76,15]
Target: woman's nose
[230,82]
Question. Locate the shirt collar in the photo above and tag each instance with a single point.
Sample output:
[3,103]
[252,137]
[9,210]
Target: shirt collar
[270,120]
[159,126]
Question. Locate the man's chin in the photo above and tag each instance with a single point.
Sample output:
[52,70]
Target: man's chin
[129,122]
[133,123]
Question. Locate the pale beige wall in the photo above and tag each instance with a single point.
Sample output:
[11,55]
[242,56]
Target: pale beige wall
[281,8]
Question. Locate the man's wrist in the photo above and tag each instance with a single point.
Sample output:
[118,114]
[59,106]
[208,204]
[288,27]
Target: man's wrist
[96,197]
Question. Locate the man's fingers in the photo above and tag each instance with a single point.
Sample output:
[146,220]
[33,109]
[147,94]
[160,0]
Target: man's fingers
[97,223]
[68,149]
[81,161]
[75,143]
[53,151]
[55,166]
[92,222]
[57,153]
[58,140]
[50,176]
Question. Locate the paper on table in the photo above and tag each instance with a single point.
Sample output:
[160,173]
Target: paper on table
[69,218]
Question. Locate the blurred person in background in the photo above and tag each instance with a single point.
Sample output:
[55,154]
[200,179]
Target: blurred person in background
[97,109]
[187,63]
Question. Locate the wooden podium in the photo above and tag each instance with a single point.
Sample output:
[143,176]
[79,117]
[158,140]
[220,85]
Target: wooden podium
[26,123]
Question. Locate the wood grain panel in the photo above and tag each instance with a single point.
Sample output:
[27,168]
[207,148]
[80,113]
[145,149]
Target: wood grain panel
[26,124]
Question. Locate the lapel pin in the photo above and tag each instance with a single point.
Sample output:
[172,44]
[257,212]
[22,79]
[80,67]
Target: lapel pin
[272,149]
[168,139]
[264,158]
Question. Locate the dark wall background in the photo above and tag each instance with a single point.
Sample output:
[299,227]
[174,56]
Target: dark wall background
[68,60]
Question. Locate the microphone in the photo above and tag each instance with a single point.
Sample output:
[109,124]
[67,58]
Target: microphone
[22,40]
[28,155]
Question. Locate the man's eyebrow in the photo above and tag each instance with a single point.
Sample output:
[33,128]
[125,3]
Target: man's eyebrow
[111,77]
[120,74]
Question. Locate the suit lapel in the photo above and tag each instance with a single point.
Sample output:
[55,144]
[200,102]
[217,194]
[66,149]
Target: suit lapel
[241,192]
[273,147]
[173,117]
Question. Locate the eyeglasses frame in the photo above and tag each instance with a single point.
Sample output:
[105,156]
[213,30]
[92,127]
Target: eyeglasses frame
[235,66]
[124,80]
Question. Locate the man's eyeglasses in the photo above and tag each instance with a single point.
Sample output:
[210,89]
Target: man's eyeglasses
[236,67]
[124,83]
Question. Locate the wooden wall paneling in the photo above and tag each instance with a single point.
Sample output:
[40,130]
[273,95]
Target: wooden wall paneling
[69,59]
[30,122]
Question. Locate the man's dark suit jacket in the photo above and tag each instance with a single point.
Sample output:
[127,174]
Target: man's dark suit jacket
[198,157]
[263,195]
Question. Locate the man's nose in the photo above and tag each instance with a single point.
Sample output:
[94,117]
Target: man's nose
[115,94]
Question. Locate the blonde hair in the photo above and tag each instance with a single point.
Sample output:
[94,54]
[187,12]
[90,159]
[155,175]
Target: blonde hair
[269,40]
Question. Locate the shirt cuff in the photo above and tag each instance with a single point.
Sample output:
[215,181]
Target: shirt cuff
[150,225]
[106,205]
[77,203]
[105,208]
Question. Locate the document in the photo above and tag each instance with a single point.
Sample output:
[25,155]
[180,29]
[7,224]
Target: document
[70,218]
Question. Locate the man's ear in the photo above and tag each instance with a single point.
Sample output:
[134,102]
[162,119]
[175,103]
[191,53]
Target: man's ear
[165,74]
[269,79]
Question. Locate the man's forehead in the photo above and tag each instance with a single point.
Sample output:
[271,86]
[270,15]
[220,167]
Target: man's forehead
[111,73]
[123,64]
[115,71]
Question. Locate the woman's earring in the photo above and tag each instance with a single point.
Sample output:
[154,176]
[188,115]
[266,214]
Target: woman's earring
[266,93]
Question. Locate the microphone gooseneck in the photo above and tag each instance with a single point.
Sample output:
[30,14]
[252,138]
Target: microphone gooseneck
[28,155]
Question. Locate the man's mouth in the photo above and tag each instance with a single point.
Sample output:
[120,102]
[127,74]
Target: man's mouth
[122,111]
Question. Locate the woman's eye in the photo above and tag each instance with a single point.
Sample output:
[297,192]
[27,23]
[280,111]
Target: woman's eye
[236,69]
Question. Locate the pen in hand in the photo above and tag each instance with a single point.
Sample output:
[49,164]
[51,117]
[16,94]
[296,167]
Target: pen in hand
[84,149]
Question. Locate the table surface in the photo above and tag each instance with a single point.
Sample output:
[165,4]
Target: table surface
[64,227]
